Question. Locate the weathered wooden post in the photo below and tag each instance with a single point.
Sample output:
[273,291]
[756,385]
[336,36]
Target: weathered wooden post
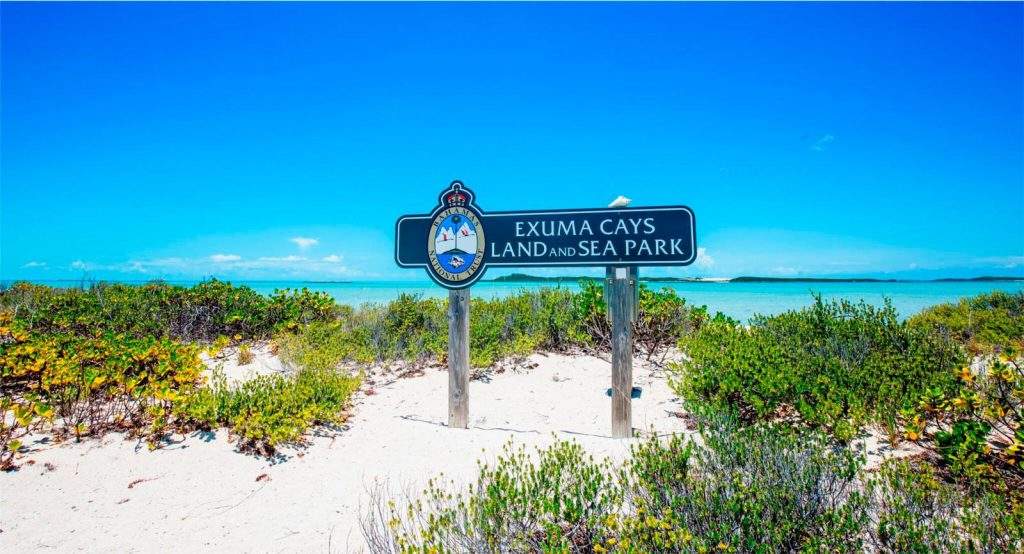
[458,358]
[621,287]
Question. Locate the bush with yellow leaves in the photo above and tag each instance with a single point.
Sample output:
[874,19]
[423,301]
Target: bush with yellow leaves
[976,427]
[86,385]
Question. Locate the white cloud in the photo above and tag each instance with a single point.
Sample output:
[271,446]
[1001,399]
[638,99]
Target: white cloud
[704,260]
[79,264]
[222,258]
[34,264]
[822,143]
[304,243]
[137,267]
[292,258]
[785,271]
[332,259]
[1005,262]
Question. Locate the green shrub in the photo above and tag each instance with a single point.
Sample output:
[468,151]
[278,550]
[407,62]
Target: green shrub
[521,324]
[411,327]
[199,313]
[746,490]
[977,427]
[763,488]
[556,503]
[662,317]
[270,410]
[839,365]
[318,346]
[81,362]
[415,329]
[760,488]
[88,385]
[917,512]
[980,323]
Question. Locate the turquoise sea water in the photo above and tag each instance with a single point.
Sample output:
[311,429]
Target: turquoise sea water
[739,300]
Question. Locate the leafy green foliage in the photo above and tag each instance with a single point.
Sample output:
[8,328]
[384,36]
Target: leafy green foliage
[416,329]
[88,385]
[662,317]
[270,410]
[556,503]
[761,488]
[839,365]
[408,328]
[977,427]
[523,323]
[81,362]
[980,323]
[918,512]
[199,313]
[320,345]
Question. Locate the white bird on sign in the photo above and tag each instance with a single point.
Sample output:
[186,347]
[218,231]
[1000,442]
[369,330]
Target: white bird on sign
[620,202]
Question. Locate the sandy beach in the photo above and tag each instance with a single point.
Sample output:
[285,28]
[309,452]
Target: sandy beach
[199,494]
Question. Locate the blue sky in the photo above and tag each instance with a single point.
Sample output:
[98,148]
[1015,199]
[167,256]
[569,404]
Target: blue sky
[282,141]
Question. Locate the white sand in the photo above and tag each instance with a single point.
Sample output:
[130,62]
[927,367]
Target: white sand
[226,361]
[201,495]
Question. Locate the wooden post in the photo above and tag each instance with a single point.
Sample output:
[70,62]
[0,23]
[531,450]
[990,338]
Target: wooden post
[620,285]
[458,358]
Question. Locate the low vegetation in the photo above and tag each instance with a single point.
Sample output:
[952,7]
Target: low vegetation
[269,410]
[87,385]
[781,403]
[759,488]
[844,368]
[662,318]
[415,329]
[977,427]
[80,362]
[202,312]
[837,365]
[83,362]
[916,510]
[982,323]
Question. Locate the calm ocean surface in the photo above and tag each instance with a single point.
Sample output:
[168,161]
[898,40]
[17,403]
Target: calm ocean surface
[739,300]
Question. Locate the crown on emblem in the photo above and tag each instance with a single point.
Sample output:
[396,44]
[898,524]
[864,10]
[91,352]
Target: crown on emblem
[456,197]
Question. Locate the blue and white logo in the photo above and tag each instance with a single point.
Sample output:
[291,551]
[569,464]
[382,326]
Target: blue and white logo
[455,242]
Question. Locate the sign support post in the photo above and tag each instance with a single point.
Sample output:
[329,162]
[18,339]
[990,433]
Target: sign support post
[621,287]
[458,358]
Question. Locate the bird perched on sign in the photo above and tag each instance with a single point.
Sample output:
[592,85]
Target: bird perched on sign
[620,202]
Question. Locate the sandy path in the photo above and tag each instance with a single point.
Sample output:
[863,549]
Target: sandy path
[201,495]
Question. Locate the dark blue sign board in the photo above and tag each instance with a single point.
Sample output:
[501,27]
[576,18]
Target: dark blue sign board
[458,241]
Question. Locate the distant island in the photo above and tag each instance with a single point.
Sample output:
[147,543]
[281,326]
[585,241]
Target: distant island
[524,278]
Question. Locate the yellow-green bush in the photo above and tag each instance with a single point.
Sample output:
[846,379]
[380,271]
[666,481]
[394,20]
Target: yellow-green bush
[916,511]
[80,362]
[88,385]
[416,329]
[762,488]
[839,365]
[977,426]
[269,410]
[662,318]
[980,323]
[198,313]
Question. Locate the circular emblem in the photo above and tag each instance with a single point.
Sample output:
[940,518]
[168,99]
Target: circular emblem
[455,243]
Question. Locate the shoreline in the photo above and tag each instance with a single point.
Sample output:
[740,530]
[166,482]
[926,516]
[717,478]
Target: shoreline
[530,280]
